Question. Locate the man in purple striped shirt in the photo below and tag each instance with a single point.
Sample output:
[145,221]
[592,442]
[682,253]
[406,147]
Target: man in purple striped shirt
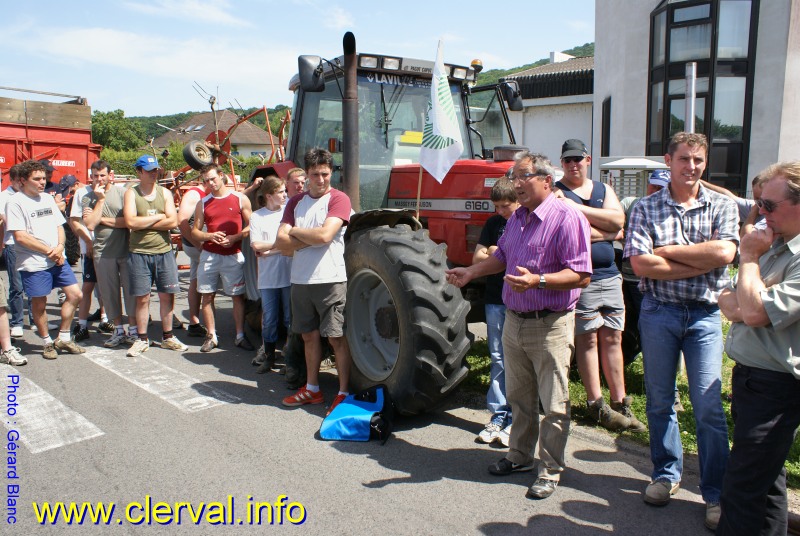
[545,255]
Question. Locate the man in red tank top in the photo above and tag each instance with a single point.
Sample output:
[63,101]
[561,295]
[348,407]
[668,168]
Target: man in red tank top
[226,215]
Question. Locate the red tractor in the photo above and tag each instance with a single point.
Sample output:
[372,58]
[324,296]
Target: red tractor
[406,325]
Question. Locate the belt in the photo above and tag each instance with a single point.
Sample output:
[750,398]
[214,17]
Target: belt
[531,314]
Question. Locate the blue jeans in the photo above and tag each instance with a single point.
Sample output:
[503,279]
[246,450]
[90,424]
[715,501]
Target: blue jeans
[496,397]
[667,329]
[273,302]
[15,303]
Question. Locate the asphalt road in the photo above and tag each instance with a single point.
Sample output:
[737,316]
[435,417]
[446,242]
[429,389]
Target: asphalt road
[199,428]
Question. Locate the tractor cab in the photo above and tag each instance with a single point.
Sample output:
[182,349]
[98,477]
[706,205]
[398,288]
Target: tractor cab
[393,95]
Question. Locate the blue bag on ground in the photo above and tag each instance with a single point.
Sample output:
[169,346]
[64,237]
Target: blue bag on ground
[360,417]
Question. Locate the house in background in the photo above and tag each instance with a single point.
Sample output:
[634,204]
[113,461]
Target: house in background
[246,141]
[747,54]
[558,104]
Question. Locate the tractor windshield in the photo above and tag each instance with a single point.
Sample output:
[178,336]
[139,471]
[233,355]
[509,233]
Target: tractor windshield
[391,117]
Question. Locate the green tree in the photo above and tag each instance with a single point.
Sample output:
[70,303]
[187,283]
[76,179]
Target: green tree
[114,131]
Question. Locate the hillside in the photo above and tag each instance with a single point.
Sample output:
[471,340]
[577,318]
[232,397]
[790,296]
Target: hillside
[493,75]
[151,128]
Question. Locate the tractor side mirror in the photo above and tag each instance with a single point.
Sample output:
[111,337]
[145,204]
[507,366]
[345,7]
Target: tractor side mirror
[512,96]
[310,70]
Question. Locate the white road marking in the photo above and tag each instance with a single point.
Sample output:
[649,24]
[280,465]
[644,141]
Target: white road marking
[181,390]
[43,421]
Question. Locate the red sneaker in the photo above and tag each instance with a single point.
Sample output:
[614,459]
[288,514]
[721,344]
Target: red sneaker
[335,403]
[302,397]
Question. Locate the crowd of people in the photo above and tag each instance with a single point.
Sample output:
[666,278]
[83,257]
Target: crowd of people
[548,254]
[555,290]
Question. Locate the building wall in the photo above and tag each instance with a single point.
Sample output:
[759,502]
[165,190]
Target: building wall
[622,45]
[621,63]
[546,123]
[245,150]
[776,105]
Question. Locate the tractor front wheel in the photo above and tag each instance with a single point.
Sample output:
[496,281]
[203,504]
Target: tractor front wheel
[406,326]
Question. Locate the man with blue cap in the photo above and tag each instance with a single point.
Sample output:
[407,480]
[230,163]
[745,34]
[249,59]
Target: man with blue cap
[150,214]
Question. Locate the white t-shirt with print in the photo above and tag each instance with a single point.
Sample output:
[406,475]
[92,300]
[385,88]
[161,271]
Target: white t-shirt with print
[39,217]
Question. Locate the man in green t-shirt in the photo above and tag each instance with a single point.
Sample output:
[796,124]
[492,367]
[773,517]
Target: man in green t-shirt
[102,214]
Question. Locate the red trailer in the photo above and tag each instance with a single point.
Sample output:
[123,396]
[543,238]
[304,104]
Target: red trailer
[57,131]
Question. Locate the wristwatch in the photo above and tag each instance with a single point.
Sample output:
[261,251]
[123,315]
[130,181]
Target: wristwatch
[542,281]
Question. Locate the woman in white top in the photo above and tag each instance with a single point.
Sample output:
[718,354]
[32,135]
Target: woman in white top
[273,268]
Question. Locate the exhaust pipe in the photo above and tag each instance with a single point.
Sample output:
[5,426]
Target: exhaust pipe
[350,171]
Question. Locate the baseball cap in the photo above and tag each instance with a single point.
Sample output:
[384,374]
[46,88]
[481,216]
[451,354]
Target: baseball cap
[65,183]
[147,162]
[574,148]
[47,166]
[660,177]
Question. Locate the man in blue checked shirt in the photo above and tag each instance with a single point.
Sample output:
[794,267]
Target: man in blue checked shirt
[680,243]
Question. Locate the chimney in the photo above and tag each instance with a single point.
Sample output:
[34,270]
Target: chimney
[558,57]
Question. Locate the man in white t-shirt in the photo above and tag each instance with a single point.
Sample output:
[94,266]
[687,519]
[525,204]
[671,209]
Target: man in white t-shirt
[312,230]
[37,225]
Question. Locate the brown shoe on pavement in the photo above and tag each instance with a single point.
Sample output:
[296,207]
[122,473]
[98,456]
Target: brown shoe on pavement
[607,417]
[70,346]
[49,351]
[624,408]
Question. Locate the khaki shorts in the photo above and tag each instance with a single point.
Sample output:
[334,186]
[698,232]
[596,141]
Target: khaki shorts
[601,304]
[319,306]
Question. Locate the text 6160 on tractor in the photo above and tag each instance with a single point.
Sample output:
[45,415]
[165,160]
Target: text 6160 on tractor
[405,325]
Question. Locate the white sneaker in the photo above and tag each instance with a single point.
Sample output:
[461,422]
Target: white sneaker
[173,344]
[12,357]
[504,436]
[138,348]
[115,340]
[489,433]
[16,332]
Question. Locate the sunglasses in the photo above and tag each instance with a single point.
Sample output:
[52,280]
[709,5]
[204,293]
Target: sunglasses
[572,159]
[769,206]
[525,177]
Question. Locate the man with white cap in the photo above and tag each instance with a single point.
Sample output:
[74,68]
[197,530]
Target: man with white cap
[150,213]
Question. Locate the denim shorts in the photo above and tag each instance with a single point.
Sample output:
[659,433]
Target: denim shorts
[600,304]
[146,270]
[40,283]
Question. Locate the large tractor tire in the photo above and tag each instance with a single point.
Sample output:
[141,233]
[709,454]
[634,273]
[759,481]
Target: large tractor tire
[406,325]
[72,246]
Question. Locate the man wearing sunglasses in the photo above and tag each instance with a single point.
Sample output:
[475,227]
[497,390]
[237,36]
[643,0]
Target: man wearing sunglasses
[749,212]
[764,306]
[680,243]
[600,312]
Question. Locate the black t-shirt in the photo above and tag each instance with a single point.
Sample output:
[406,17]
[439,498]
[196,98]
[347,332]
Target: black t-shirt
[603,266]
[490,235]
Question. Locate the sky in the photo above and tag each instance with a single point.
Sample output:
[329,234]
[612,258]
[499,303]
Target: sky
[145,57]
